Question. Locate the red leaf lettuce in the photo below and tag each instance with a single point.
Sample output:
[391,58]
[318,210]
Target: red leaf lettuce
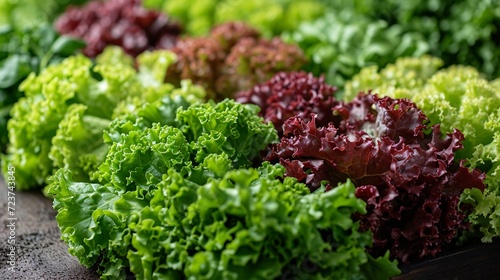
[404,171]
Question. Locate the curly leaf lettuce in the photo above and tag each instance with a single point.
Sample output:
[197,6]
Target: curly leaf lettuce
[201,134]
[227,128]
[78,142]
[457,97]
[341,42]
[176,199]
[400,79]
[245,222]
[407,176]
[68,105]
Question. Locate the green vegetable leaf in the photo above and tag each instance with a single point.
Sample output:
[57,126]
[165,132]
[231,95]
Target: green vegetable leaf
[14,69]
[61,120]
[66,46]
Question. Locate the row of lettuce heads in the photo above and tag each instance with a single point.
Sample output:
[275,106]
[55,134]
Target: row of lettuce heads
[218,159]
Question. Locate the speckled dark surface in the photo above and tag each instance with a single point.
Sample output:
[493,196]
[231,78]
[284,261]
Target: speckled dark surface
[40,253]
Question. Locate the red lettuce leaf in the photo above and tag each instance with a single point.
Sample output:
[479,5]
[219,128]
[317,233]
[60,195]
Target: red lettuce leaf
[404,171]
[291,94]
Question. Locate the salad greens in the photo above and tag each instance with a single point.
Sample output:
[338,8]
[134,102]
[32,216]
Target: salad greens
[385,148]
[271,18]
[454,97]
[176,199]
[341,42]
[403,169]
[22,52]
[59,123]
[32,13]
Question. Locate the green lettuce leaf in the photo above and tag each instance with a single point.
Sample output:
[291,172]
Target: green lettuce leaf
[246,223]
[341,42]
[269,17]
[78,142]
[61,120]
[226,127]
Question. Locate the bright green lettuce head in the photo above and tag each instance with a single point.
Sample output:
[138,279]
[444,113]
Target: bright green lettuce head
[459,97]
[244,223]
[61,120]
[241,223]
[226,127]
[204,133]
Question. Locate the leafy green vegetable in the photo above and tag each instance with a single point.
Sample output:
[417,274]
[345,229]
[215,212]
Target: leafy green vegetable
[401,79]
[341,42]
[454,97]
[31,13]
[269,17]
[459,32]
[67,106]
[23,52]
[176,200]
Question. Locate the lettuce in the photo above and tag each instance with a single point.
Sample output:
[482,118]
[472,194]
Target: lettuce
[340,42]
[459,32]
[292,94]
[271,18]
[31,13]
[177,199]
[404,171]
[455,97]
[401,79]
[226,128]
[246,222]
[67,106]
[23,51]
[232,58]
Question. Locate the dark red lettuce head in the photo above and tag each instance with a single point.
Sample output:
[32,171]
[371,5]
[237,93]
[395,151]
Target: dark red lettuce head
[403,170]
[298,94]
[124,23]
